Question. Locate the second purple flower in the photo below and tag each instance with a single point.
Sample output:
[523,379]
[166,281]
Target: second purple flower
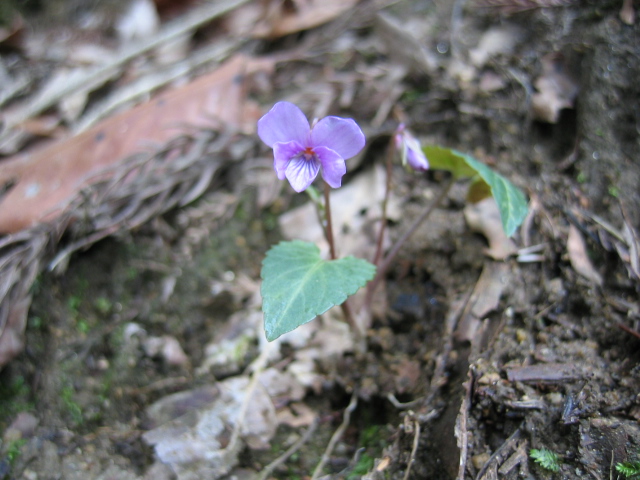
[300,151]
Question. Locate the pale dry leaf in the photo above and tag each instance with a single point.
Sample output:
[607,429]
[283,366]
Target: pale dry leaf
[296,415]
[356,211]
[488,291]
[140,20]
[274,18]
[495,41]
[577,249]
[484,299]
[484,217]
[556,90]
[193,441]
[631,238]
[281,386]
[168,348]
[628,12]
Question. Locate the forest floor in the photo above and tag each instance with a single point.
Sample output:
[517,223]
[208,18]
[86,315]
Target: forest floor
[144,353]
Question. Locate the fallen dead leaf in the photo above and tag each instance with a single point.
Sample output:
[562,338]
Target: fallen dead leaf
[45,181]
[484,299]
[495,41]
[296,415]
[579,258]
[556,89]
[140,20]
[484,217]
[627,12]
[275,18]
[193,436]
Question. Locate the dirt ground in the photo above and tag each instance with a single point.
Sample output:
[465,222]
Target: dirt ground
[138,356]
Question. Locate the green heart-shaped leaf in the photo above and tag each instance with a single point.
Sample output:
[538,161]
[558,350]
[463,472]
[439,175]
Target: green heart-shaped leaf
[297,285]
[511,201]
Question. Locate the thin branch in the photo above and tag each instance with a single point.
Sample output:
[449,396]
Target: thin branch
[461,425]
[414,448]
[385,202]
[328,230]
[266,472]
[337,435]
[329,226]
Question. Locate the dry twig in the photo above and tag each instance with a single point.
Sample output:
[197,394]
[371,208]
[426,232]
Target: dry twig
[337,435]
[461,431]
[414,448]
[266,471]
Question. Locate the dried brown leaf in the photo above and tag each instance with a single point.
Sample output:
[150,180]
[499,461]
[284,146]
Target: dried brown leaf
[47,180]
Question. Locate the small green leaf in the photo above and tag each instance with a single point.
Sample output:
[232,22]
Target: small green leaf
[546,459]
[441,158]
[297,285]
[511,201]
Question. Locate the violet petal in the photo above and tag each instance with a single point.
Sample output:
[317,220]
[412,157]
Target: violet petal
[302,171]
[283,152]
[415,156]
[284,123]
[333,166]
[342,135]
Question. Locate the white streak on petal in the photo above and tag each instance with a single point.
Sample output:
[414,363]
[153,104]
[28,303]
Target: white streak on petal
[302,171]
[282,155]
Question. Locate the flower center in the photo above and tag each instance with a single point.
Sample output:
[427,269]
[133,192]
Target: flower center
[307,154]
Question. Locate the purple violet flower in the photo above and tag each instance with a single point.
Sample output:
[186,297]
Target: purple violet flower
[410,150]
[300,151]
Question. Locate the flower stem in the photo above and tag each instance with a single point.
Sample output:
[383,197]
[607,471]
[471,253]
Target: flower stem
[328,231]
[384,266]
[385,202]
[328,226]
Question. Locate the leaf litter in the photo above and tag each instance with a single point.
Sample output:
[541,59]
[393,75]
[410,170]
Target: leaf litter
[499,382]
